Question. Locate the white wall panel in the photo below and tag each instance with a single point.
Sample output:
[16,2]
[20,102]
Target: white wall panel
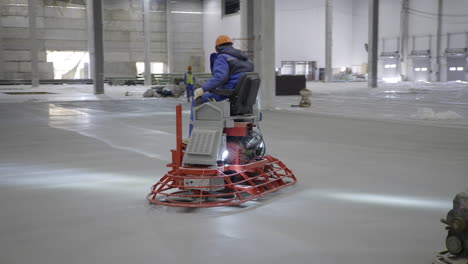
[300,31]
[360,31]
[342,33]
[214,25]
[13,10]
[15,21]
[188,33]
[63,12]
[56,44]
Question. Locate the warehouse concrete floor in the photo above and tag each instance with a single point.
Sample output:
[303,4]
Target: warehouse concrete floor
[74,176]
[424,103]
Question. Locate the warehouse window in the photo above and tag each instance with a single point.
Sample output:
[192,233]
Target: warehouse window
[460,69]
[74,4]
[156,67]
[301,68]
[288,68]
[231,7]
[69,64]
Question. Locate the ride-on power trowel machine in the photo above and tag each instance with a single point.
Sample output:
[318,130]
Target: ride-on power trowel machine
[224,161]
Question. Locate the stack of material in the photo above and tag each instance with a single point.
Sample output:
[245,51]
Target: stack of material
[349,75]
[171,89]
[305,98]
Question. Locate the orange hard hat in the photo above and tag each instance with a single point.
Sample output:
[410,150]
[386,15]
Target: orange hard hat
[223,39]
[189,68]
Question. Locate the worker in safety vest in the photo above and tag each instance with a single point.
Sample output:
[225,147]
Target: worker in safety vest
[189,81]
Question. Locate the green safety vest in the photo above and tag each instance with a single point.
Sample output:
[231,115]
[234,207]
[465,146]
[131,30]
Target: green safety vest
[189,78]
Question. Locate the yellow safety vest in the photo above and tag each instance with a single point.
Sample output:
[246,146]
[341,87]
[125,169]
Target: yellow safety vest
[189,78]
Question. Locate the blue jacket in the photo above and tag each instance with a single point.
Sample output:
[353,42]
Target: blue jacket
[226,68]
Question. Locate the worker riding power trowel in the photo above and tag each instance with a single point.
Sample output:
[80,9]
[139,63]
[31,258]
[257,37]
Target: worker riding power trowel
[224,161]
[457,233]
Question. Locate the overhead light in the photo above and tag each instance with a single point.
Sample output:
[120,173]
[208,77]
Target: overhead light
[187,12]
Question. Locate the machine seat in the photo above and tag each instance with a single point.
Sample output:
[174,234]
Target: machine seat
[243,97]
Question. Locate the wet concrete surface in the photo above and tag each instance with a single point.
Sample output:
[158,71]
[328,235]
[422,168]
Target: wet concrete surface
[74,176]
[446,102]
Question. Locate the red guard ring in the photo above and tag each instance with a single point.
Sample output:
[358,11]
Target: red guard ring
[225,185]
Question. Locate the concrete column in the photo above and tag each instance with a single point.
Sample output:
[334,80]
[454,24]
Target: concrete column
[264,50]
[247,23]
[169,38]
[32,5]
[96,44]
[2,61]
[439,40]
[244,18]
[466,39]
[328,40]
[90,25]
[147,33]
[430,43]
[404,38]
[449,35]
[373,43]
[466,46]
[86,70]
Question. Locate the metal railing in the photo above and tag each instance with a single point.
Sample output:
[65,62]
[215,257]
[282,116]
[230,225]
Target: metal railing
[165,78]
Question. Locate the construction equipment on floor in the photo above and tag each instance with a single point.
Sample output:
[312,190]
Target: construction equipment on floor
[305,99]
[457,237]
[224,161]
